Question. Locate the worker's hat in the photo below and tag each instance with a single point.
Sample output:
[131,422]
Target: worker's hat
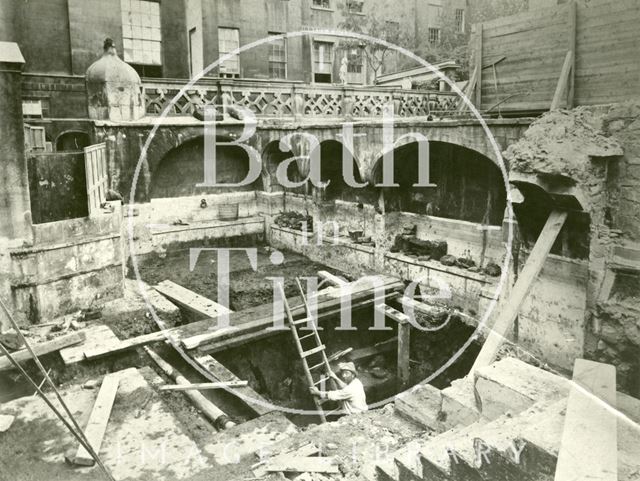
[347,366]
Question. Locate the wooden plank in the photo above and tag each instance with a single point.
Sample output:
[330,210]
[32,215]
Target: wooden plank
[523,19]
[404,337]
[43,348]
[471,86]
[589,446]
[109,349]
[478,67]
[305,450]
[332,279]
[391,313]
[189,300]
[328,303]
[309,464]
[572,31]
[207,337]
[202,386]
[246,394]
[94,335]
[562,82]
[532,268]
[365,352]
[99,418]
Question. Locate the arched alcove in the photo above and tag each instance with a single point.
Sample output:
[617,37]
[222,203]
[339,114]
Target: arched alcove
[468,185]
[182,168]
[72,141]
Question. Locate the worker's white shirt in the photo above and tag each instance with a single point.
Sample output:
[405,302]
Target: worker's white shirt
[352,397]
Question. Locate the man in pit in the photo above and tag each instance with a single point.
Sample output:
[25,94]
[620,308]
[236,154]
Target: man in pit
[350,393]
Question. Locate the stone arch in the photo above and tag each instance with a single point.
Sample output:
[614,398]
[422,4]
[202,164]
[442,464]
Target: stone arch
[468,185]
[72,140]
[331,159]
[182,168]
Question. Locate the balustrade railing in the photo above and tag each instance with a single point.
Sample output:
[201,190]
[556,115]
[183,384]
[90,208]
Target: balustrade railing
[293,99]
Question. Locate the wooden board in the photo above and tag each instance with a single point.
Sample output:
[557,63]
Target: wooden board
[303,464]
[328,303]
[109,348]
[247,325]
[532,268]
[220,372]
[365,352]
[196,304]
[536,40]
[43,348]
[393,314]
[95,335]
[404,338]
[331,279]
[99,418]
[309,449]
[589,446]
[203,386]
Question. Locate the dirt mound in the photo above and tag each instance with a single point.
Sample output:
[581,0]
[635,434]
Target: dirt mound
[562,143]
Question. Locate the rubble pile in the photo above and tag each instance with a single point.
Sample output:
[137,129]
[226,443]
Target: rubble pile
[425,250]
[294,220]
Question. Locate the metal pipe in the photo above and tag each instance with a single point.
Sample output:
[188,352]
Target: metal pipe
[219,419]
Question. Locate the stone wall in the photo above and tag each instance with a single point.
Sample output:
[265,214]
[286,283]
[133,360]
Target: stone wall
[591,154]
[72,264]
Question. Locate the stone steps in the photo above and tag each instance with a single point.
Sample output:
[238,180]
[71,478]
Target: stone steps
[440,410]
[511,386]
[521,443]
[421,405]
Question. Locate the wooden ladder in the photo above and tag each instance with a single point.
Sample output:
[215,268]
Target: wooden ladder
[310,348]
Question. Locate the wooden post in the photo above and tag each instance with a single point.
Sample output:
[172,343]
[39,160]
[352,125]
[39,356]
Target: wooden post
[589,446]
[478,94]
[98,419]
[563,81]
[404,337]
[532,268]
[572,48]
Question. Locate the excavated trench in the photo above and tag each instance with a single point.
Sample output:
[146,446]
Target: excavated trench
[271,365]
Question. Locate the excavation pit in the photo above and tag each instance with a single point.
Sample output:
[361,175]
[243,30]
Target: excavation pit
[272,365]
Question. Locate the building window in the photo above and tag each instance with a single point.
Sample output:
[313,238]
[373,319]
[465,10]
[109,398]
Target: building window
[434,35]
[322,3]
[322,61]
[460,19]
[228,41]
[355,6]
[141,37]
[278,58]
[355,66]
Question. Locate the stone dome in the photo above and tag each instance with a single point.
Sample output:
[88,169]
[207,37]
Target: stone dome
[114,89]
[111,68]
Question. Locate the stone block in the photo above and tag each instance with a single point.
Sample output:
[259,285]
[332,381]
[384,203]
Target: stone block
[511,386]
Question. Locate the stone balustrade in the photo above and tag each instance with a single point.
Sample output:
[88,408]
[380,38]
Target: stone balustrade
[293,99]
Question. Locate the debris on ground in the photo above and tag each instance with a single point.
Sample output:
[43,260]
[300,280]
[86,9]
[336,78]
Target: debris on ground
[11,339]
[295,220]
[6,421]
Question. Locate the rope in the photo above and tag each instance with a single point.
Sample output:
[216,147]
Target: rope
[79,434]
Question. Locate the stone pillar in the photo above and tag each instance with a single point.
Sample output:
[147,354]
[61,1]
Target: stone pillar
[15,205]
